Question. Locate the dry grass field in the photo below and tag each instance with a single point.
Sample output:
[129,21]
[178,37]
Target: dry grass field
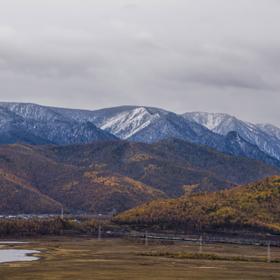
[115,259]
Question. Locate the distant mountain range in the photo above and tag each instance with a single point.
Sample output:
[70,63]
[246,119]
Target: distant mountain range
[34,124]
[265,136]
[116,175]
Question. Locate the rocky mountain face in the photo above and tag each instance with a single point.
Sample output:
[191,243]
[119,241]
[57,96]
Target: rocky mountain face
[142,124]
[270,130]
[149,125]
[266,137]
[236,145]
[34,124]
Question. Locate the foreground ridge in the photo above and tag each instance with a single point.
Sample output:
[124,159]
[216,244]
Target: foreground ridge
[251,207]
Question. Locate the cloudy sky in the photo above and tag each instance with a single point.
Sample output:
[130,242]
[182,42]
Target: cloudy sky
[181,55]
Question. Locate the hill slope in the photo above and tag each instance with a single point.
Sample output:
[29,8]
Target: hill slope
[255,206]
[171,166]
[29,170]
[106,176]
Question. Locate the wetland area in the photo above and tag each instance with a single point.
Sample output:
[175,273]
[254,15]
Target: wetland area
[118,259]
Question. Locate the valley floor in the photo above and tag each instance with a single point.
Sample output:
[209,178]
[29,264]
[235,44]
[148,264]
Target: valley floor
[116,259]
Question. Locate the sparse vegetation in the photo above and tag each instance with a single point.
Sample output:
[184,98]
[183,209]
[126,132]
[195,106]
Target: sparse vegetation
[210,257]
[87,259]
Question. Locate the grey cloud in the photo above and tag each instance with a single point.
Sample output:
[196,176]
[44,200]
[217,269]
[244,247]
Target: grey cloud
[218,71]
[181,55]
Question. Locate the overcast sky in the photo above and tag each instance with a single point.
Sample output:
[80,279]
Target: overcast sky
[181,55]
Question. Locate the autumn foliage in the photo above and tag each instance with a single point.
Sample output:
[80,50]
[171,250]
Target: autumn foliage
[254,206]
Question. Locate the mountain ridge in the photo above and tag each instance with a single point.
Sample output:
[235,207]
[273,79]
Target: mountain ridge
[253,207]
[150,124]
[265,136]
[104,176]
[36,124]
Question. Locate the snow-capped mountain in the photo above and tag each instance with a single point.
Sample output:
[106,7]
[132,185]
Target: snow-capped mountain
[266,137]
[270,130]
[12,129]
[149,125]
[126,122]
[145,124]
[219,123]
[236,145]
[34,124]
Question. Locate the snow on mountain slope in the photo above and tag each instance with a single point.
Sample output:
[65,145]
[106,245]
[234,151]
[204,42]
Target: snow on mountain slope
[266,137]
[30,111]
[149,125]
[12,129]
[270,129]
[123,122]
[127,123]
[169,125]
[35,124]
[219,123]
[7,117]
[146,124]
[209,120]
[236,145]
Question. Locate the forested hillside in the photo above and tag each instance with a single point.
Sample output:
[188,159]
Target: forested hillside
[255,207]
[114,176]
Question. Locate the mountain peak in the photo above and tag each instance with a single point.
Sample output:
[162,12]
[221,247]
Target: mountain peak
[265,137]
[212,121]
[126,121]
[32,123]
[36,124]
